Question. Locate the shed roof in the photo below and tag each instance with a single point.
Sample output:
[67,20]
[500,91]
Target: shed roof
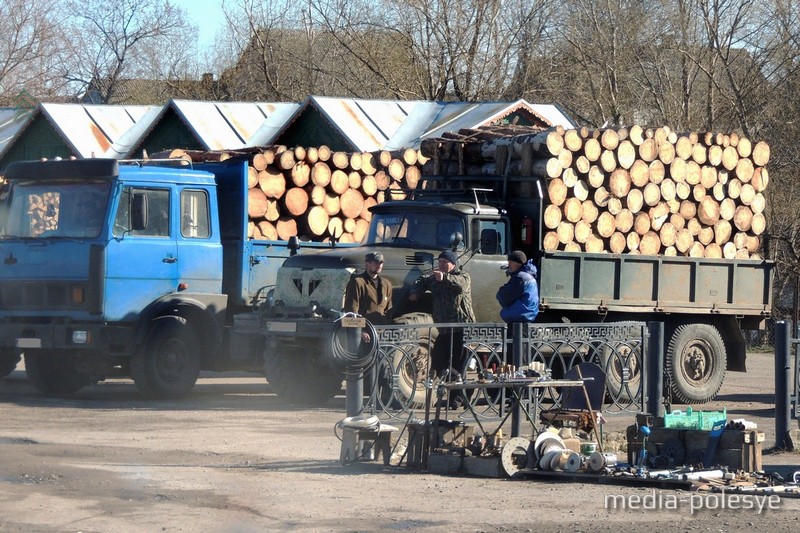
[89,130]
[12,119]
[371,125]
[220,125]
[366,124]
[436,118]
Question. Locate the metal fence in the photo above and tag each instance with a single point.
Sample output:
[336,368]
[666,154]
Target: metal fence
[402,386]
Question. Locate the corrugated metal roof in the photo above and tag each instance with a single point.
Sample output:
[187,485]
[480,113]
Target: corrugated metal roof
[127,142]
[116,131]
[214,126]
[433,120]
[12,120]
[278,115]
[555,115]
[91,130]
[229,125]
[366,124]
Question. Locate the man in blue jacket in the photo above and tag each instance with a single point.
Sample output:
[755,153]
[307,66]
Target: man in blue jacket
[520,295]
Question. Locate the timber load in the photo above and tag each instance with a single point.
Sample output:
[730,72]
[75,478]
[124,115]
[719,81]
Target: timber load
[636,190]
[315,193]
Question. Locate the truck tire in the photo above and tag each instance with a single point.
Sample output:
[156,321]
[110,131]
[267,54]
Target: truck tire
[54,373]
[8,362]
[300,379]
[695,361]
[168,363]
[410,367]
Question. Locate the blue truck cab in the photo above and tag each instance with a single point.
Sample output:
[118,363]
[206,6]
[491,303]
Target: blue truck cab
[126,269]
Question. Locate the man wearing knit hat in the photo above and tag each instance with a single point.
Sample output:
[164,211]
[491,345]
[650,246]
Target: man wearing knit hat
[519,297]
[451,290]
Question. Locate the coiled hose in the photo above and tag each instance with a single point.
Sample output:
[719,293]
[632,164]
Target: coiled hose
[349,356]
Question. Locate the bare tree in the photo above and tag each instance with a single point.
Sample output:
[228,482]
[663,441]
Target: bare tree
[112,38]
[432,49]
[29,39]
[275,51]
[603,39]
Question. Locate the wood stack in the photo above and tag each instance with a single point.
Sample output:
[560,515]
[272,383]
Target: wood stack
[315,193]
[637,190]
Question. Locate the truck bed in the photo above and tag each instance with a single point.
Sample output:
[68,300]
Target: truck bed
[610,282]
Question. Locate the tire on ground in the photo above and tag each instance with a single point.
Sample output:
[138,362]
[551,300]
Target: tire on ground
[410,367]
[696,361]
[301,378]
[54,372]
[168,362]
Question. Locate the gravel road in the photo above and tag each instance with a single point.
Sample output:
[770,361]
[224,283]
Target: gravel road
[232,457]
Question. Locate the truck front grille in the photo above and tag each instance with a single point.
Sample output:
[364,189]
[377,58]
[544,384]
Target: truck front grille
[32,296]
[419,259]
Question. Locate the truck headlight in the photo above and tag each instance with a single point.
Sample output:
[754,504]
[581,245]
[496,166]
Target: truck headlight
[80,337]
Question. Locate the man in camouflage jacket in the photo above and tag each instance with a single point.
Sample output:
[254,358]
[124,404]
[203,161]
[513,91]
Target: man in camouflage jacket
[451,291]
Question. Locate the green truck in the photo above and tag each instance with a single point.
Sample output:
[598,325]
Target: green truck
[705,304]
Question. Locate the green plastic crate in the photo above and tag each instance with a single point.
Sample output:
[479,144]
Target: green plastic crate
[698,420]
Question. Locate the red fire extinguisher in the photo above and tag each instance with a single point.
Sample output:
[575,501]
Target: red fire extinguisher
[526,236]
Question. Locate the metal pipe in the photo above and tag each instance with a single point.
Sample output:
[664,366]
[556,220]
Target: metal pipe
[354,382]
[654,389]
[705,474]
[516,352]
[782,375]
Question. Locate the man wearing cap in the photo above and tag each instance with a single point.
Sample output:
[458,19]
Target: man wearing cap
[451,290]
[519,297]
[369,294]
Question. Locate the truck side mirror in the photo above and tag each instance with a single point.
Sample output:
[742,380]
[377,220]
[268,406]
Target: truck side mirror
[138,212]
[455,239]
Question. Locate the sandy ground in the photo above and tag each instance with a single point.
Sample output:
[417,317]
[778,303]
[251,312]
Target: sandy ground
[232,457]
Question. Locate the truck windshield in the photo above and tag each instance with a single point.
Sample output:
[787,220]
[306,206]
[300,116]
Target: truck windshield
[414,228]
[39,209]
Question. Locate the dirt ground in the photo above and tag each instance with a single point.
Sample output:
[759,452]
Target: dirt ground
[232,458]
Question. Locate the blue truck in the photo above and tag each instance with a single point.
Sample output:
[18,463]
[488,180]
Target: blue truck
[126,269]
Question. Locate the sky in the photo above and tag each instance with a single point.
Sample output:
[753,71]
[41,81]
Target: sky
[206,15]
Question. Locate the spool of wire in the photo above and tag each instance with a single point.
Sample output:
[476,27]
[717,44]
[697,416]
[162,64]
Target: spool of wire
[347,350]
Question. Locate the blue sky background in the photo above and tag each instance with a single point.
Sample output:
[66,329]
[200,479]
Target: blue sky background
[206,15]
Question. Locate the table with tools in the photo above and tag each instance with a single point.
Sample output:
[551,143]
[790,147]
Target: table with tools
[517,387]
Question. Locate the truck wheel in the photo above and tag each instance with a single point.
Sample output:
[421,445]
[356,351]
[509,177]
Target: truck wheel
[299,380]
[168,363]
[53,372]
[410,366]
[8,362]
[696,363]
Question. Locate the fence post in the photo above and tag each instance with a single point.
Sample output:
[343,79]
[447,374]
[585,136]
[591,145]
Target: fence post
[516,352]
[654,366]
[782,374]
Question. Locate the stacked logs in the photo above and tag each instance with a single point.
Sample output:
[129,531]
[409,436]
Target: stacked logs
[315,193]
[637,190]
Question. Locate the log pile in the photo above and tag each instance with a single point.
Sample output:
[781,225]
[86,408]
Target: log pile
[632,190]
[315,193]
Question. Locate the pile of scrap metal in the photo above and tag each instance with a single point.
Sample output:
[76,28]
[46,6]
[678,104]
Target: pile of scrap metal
[751,483]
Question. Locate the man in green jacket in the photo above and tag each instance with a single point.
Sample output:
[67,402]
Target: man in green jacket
[451,291]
